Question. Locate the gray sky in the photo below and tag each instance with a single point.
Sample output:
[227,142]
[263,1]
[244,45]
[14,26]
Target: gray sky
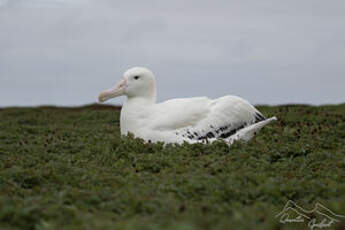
[64,52]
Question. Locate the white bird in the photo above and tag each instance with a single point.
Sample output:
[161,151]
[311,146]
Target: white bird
[191,120]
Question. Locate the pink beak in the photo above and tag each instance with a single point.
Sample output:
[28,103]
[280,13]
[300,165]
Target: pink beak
[116,91]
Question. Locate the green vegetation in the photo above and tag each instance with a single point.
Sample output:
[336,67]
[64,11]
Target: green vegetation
[68,168]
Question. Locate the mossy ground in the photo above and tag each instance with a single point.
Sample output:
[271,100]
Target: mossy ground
[68,168]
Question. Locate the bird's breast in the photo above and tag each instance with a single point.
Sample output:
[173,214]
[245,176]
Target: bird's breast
[133,120]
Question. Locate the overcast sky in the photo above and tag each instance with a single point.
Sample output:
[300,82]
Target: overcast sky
[64,52]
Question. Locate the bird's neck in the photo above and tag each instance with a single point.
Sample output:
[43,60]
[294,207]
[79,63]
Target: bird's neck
[133,109]
[140,101]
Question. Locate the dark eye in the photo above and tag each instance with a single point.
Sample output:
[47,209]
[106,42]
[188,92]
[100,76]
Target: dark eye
[136,77]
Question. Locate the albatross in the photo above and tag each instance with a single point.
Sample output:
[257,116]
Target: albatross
[192,120]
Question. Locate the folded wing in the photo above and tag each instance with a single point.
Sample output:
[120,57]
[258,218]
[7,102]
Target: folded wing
[200,118]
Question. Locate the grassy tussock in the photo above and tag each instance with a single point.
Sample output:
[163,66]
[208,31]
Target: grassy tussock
[68,168]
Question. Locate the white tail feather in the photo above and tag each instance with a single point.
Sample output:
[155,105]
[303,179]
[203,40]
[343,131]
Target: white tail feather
[249,132]
[244,134]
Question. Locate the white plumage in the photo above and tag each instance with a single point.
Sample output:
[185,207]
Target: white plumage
[186,119]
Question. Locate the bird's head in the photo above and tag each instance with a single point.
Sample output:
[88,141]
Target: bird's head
[136,82]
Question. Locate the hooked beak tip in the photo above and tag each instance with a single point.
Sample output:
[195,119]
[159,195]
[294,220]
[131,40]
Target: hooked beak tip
[100,98]
[116,91]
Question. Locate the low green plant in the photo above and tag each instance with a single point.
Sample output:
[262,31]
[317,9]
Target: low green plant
[69,168]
